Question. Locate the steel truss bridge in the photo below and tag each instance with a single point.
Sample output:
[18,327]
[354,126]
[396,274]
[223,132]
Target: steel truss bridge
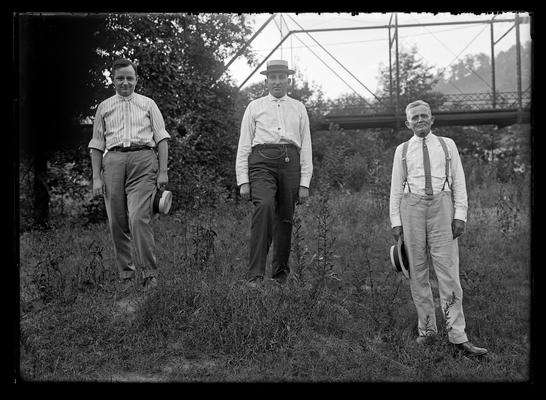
[503,109]
[497,108]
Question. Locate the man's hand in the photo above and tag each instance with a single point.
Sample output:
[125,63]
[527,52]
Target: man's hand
[245,191]
[457,227]
[303,194]
[98,186]
[162,180]
[397,231]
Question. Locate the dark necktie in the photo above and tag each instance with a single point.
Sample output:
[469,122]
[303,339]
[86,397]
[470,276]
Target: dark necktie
[426,162]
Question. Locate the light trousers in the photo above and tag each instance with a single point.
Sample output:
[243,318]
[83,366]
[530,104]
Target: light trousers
[130,183]
[426,222]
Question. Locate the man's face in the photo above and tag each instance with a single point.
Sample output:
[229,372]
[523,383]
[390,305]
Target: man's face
[277,84]
[419,120]
[125,80]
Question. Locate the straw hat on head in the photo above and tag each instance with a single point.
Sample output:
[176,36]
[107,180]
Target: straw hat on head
[399,258]
[162,202]
[277,66]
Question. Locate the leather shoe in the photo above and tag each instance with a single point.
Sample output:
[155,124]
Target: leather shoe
[281,277]
[468,349]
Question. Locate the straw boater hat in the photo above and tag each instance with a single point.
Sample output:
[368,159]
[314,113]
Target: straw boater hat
[399,257]
[277,66]
[162,201]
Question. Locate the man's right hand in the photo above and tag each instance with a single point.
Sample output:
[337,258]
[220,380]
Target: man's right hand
[397,232]
[245,191]
[98,187]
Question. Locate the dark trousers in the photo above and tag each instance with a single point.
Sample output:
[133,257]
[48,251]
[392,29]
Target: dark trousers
[274,173]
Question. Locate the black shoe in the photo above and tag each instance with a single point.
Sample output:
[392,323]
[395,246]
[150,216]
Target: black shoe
[469,350]
[280,277]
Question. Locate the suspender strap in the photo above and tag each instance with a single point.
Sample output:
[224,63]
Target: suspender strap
[448,161]
[405,164]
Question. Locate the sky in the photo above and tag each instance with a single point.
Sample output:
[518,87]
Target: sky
[361,53]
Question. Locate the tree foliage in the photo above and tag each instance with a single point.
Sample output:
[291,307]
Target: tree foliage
[473,73]
[181,62]
[416,80]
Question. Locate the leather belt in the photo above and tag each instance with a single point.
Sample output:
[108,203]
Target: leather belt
[130,148]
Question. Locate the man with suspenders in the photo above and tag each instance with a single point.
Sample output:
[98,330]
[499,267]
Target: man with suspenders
[428,208]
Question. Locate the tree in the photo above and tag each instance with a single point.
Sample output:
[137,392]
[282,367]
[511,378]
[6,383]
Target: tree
[57,85]
[473,73]
[416,81]
[180,61]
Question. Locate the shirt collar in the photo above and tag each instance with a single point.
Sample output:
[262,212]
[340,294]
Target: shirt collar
[126,98]
[273,98]
[427,138]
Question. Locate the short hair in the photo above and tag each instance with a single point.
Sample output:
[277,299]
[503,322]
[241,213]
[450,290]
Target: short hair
[122,63]
[416,104]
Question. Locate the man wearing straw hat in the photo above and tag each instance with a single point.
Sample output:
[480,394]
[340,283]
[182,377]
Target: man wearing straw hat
[130,127]
[428,208]
[273,168]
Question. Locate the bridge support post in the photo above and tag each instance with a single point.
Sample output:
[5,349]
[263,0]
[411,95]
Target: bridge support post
[397,106]
[518,68]
[493,65]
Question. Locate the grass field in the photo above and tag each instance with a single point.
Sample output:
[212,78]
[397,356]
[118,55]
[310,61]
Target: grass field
[345,316]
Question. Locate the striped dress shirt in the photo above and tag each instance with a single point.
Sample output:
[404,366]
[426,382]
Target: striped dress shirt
[269,120]
[125,121]
[416,174]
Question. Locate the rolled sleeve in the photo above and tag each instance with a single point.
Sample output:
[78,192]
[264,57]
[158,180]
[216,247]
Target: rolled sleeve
[157,123]
[98,141]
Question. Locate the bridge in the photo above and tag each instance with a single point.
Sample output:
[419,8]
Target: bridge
[496,108]
[501,109]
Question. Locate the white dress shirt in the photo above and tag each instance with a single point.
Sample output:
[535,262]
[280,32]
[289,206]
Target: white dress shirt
[269,120]
[416,174]
[122,121]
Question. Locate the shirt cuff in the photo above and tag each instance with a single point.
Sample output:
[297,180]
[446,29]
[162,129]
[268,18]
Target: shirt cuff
[305,181]
[460,214]
[97,144]
[396,221]
[242,180]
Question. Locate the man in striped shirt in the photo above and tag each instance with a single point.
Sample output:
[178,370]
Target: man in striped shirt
[428,208]
[127,131]
[274,168]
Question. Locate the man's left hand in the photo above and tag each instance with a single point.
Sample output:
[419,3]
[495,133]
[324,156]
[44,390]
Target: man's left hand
[303,194]
[162,180]
[457,227]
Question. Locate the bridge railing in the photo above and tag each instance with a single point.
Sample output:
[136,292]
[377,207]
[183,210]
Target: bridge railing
[439,103]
